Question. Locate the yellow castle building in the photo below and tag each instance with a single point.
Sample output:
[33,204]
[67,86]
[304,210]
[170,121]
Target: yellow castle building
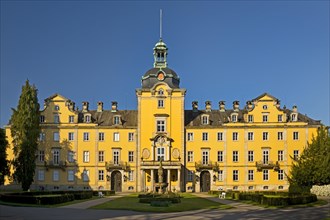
[161,145]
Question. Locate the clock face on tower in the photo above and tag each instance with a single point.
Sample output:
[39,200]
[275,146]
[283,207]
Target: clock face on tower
[161,76]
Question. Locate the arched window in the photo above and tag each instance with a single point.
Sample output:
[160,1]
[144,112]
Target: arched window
[161,92]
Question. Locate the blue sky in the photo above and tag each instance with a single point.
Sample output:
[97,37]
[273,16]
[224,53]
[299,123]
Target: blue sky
[222,50]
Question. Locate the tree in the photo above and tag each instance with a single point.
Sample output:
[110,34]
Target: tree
[4,163]
[313,166]
[25,131]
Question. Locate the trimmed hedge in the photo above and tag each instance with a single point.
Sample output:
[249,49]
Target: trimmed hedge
[160,199]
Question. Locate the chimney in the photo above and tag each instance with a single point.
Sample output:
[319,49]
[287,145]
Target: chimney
[278,103]
[208,106]
[222,106]
[71,105]
[236,106]
[249,105]
[195,106]
[99,106]
[114,106]
[85,106]
[295,109]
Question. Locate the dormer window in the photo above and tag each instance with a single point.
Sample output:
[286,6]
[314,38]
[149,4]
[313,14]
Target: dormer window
[234,118]
[116,120]
[205,119]
[56,107]
[280,118]
[87,119]
[250,118]
[264,107]
[161,92]
[293,117]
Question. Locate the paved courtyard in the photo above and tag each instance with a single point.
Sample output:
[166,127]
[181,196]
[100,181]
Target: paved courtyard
[241,211]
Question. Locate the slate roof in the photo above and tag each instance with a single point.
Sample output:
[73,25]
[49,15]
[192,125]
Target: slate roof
[149,79]
[105,118]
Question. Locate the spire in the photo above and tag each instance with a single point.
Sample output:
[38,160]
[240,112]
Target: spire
[160,49]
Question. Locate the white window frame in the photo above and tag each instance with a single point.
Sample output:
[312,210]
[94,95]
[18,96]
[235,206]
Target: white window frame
[265,118]
[86,156]
[220,175]
[235,175]
[41,155]
[250,175]
[250,156]
[131,136]
[161,125]
[190,136]
[116,136]
[280,175]
[265,136]
[190,156]
[265,175]
[56,156]
[205,136]
[101,156]
[280,155]
[295,135]
[280,118]
[220,136]
[85,175]
[56,175]
[71,136]
[234,117]
[100,175]
[160,153]
[42,136]
[71,156]
[265,156]
[250,136]
[280,136]
[205,157]
[235,136]
[101,136]
[205,119]
[116,156]
[116,120]
[220,156]
[71,118]
[235,156]
[250,118]
[130,175]
[88,119]
[296,154]
[190,176]
[131,156]
[86,136]
[56,119]
[161,103]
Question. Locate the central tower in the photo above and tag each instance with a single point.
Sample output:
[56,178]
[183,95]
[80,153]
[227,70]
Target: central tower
[160,126]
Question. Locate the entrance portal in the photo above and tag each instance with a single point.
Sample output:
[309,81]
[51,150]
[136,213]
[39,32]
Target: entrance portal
[205,181]
[116,182]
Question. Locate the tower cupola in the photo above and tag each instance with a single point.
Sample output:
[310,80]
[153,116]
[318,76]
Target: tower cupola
[160,54]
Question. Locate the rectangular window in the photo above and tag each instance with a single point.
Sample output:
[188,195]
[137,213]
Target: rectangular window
[234,118]
[131,175]
[190,136]
[101,136]
[42,119]
[87,118]
[116,120]
[205,157]
[71,118]
[116,136]
[70,175]
[280,118]
[56,175]
[42,136]
[250,118]
[86,156]
[220,136]
[190,157]
[235,136]
[296,154]
[116,157]
[265,118]
[56,136]
[56,156]
[296,135]
[250,136]
[279,135]
[56,119]
[190,175]
[280,175]
[41,155]
[220,175]
[71,157]
[41,175]
[235,175]
[160,153]
[101,156]
[101,175]
[205,136]
[265,174]
[130,156]
[160,103]
[265,136]
[250,175]
[235,156]
[86,175]
[130,136]
[250,156]
[205,120]
[160,125]
[220,156]
[280,155]
[265,156]
[86,136]
[70,136]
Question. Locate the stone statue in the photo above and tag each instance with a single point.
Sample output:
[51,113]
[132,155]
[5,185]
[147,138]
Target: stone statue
[160,172]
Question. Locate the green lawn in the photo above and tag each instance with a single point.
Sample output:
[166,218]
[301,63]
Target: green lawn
[188,202]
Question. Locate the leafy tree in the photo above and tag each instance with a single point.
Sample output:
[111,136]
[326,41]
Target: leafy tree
[25,131]
[4,163]
[313,166]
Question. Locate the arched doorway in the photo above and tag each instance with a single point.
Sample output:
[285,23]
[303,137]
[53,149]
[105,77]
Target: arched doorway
[116,182]
[205,181]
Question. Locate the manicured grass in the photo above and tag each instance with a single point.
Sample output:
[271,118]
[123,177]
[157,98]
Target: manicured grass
[46,206]
[188,202]
[319,202]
